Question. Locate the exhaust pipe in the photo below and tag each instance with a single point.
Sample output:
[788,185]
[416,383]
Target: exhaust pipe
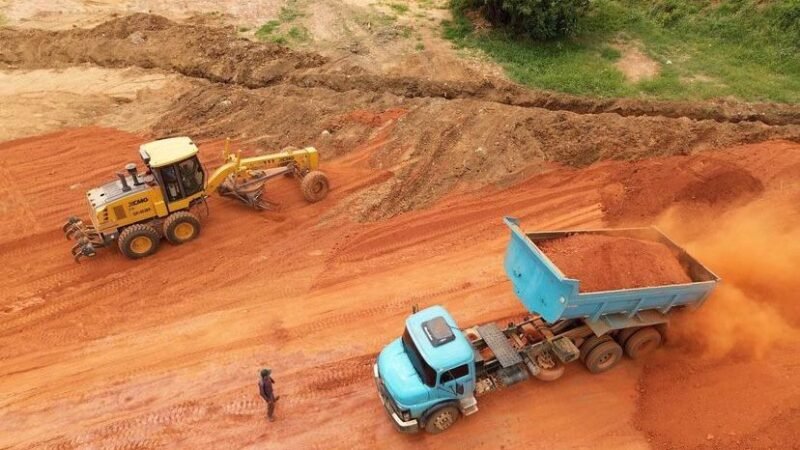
[125,187]
[131,168]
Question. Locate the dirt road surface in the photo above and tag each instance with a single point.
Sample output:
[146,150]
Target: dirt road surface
[126,354]
[426,152]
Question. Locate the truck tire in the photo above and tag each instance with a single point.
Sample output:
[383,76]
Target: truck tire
[442,419]
[625,334]
[551,374]
[315,186]
[603,357]
[590,343]
[181,227]
[138,240]
[642,342]
[550,368]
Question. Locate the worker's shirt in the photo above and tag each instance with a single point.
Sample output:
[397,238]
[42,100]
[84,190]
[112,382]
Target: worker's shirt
[265,388]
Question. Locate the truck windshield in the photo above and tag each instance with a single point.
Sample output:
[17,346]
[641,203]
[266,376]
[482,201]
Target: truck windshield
[426,372]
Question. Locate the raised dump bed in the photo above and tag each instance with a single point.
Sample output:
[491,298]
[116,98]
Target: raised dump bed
[545,290]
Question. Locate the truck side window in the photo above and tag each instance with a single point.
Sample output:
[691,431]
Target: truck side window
[455,374]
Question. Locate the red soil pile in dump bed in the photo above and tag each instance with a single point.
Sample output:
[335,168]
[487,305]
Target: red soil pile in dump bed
[603,263]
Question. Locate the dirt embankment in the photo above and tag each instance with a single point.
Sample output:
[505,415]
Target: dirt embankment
[218,55]
[151,41]
[437,145]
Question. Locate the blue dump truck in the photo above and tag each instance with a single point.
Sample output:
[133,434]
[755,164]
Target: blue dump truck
[433,374]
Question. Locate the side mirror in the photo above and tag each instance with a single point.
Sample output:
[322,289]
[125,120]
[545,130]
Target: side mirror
[459,389]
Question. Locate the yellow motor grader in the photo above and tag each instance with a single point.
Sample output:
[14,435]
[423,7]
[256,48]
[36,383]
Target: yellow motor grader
[137,209]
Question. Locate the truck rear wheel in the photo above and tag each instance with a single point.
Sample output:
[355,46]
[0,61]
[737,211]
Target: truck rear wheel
[603,357]
[642,342]
[138,241]
[181,227]
[442,419]
[314,186]
[590,343]
[625,334]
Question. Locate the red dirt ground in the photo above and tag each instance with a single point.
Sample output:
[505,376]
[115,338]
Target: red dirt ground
[164,352]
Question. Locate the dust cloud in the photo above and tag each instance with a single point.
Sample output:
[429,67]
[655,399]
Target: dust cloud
[755,249]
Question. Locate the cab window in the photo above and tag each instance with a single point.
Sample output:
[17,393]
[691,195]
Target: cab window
[454,374]
[191,175]
[171,186]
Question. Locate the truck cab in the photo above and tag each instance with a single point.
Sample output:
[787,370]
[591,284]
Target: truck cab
[426,378]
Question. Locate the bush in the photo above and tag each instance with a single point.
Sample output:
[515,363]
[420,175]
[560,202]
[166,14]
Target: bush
[788,19]
[538,19]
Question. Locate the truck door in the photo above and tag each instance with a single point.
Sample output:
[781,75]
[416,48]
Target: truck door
[456,381]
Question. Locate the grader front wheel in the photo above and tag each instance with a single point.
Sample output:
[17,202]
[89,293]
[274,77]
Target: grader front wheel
[138,241]
[314,186]
[181,227]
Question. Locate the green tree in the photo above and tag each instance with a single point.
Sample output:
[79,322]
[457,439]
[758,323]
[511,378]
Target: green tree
[538,19]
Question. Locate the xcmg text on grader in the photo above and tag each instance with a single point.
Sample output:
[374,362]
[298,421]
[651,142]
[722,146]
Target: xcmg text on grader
[136,210]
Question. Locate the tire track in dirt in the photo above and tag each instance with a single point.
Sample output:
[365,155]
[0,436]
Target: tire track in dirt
[309,386]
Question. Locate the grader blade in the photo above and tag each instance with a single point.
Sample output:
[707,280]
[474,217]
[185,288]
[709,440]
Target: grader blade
[250,189]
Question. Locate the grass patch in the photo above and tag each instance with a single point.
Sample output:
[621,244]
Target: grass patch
[289,12]
[399,8]
[299,34]
[733,48]
[375,19]
[419,47]
[265,31]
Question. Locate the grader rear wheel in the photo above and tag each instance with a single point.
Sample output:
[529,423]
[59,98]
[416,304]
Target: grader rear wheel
[181,227]
[138,241]
[315,186]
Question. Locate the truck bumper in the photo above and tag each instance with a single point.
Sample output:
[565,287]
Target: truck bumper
[405,426]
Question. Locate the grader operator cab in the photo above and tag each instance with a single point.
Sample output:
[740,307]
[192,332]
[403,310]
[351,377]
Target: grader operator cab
[137,209]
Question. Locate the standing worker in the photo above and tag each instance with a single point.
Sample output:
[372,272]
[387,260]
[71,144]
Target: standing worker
[265,389]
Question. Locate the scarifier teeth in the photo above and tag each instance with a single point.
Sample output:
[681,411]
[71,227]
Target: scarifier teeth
[71,232]
[71,221]
[83,248]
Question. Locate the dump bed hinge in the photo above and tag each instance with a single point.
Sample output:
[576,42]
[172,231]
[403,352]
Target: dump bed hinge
[506,355]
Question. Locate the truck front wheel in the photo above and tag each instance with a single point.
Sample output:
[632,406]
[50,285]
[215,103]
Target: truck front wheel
[603,357]
[442,419]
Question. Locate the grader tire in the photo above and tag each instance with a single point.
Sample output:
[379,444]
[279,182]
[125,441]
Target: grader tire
[603,357]
[138,241]
[315,186]
[642,343]
[181,227]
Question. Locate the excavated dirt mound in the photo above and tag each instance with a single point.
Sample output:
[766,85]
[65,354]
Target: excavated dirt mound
[637,192]
[151,41]
[438,144]
[604,263]
[218,55]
